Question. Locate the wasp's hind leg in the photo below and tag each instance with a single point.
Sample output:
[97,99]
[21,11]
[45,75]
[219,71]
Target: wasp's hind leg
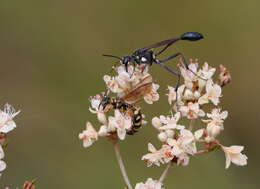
[184,62]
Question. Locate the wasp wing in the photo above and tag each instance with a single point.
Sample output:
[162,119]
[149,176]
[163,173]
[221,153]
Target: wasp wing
[166,42]
[139,90]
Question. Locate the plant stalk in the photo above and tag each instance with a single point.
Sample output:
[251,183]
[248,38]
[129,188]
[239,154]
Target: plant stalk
[165,172]
[121,165]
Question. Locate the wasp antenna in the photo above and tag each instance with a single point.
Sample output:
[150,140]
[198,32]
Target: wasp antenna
[109,55]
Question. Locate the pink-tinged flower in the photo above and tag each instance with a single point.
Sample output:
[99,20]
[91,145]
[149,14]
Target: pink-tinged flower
[233,154]
[153,95]
[213,93]
[192,111]
[178,151]
[149,184]
[155,157]
[89,135]
[183,146]
[121,123]
[173,95]
[2,163]
[6,118]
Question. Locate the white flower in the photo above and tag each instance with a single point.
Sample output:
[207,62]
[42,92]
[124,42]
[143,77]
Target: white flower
[166,123]
[183,146]
[89,135]
[213,93]
[153,95]
[189,95]
[206,72]
[163,136]
[103,131]
[2,163]
[190,75]
[198,134]
[112,84]
[233,154]
[97,109]
[192,111]
[216,117]
[155,157]
[121,123]
[156,122]
[215,123]
[173,95]
[149,184]
[6,118]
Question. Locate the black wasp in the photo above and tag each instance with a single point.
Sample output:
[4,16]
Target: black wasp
[147,56]
[125,103]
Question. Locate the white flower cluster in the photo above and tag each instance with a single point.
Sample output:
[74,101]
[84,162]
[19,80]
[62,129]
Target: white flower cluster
[179,141]
[6,125]
[130,87]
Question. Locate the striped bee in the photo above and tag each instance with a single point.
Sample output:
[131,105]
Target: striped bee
[126,103]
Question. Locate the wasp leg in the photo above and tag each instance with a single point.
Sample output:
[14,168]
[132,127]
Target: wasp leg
[184,61]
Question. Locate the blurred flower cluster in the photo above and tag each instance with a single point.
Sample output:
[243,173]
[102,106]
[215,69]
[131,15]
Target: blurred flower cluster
[192,127]
[6,125]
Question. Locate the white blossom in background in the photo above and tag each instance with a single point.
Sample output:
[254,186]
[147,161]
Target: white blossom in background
[89,135]
[233,154]
[6,118]
[149,184]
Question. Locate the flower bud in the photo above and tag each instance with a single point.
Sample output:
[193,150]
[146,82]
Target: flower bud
[156,122]
[224,76]
[102,131]
[169,133]
[162,137]
[28,185]
[102,118]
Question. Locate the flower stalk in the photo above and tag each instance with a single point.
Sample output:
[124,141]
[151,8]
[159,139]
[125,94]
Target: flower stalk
[121,165]
[165,172]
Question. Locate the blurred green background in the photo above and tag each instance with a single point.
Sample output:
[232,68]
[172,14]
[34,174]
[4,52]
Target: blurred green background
[50,57]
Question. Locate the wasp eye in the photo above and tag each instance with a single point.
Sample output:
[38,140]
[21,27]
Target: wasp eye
[143,59]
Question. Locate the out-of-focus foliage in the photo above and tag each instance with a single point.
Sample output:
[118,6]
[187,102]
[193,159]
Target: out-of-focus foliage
[50,57]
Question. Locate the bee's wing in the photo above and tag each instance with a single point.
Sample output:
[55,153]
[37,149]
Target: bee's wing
[138,91]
